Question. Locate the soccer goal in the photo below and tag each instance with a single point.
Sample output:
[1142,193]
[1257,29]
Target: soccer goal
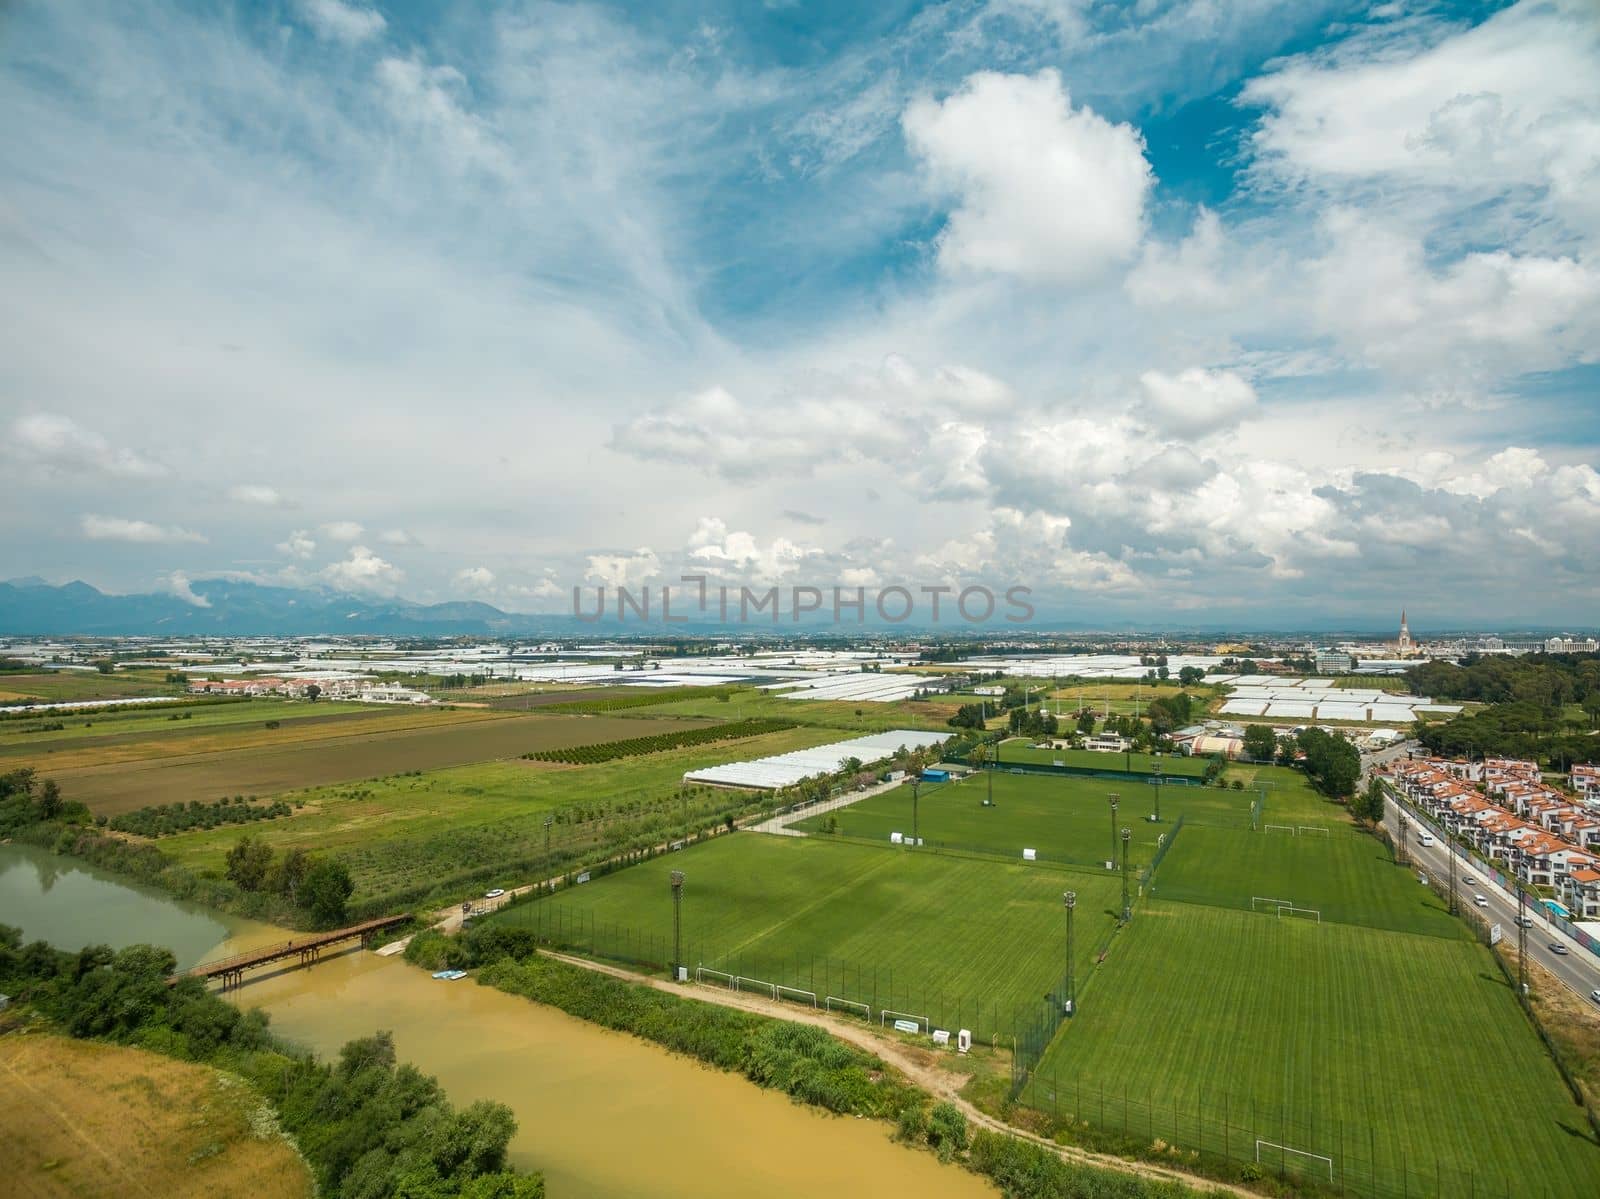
[1286,1150]
[1304,913]
[1257,900]
[797,994]
[741,983]
[910,1017]
[1279,828]
[1312,829]
[834,1003]
[701,973]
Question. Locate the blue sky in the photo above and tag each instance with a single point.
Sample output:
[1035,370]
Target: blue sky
[1278,308]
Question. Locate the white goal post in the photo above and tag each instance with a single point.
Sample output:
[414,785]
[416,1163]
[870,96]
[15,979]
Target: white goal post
[1313,828]
[1294,911]
[1282,828]
[849,1005]
[1321,1157]
[1267,899]
[722,977]
[741,982]
[921,1021]
[784,992]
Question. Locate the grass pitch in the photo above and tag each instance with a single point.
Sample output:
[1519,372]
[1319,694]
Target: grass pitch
[1403,1058]
[966,942]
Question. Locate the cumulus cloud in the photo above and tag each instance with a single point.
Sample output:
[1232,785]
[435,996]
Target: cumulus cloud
[177,583]
[1043,191]
[623,569]
[57,442]
[714,546]
[1196,402]
[137,532]
[342,530]
[363,570]
[256,493]
[397,537]
[298,544]
[341,22]
[474,578]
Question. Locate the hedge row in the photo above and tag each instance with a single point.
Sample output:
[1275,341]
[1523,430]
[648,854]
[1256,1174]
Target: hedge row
[161,820]
[610,751]
[640,697]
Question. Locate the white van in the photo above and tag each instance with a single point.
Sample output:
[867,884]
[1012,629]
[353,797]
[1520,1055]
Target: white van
[1480,900]
[1425,838]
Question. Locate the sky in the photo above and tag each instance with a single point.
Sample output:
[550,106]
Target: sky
[1173,311]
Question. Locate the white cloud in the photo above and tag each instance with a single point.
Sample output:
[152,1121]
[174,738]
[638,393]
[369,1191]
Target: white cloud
[397,537]
[138,532]
[475,578]
[430,100]
[177,583]
[256,493]
[298,544]
[341,22]
[1044,191]
[363,570]
[712,545]
[1197,402]
[342,530]
[623,569]
[58,442]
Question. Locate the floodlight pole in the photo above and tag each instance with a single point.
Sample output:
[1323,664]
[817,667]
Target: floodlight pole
[1115,800]
[1127,907]
[548,821]
[677,923]
[915,836]
[1070,898]
[990,773]
[1450,852]
[1156,775]
[1522,943]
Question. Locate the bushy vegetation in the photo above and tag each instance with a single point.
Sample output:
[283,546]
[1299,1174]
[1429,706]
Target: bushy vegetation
[640,697]
[1518,729]
[368,1126]
[1023,1170]
[26,800]
[162,820]
[631,747]
[1543,706]
[1332,763]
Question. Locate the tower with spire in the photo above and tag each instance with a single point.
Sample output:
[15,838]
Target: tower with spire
[1404,645]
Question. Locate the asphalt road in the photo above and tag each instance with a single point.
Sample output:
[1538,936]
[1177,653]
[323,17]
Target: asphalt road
[1578,968]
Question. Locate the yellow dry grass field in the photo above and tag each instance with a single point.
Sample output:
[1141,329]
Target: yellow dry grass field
[86,1119]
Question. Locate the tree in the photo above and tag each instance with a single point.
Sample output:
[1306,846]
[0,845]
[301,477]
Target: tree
[105,665]
[1368,806]
[50,803]
[248,862]
[290,873]
[1260,742]
[326,890]
[1188,676]
[313,692]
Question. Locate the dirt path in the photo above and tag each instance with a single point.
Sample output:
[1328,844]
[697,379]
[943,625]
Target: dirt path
[933,1079]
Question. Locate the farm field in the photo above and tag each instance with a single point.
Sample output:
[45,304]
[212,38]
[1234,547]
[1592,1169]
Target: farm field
[131,735]
[1172,765]
[86,1119]
[400,831]
[1065,819]
[930,714]
[49,686]
[966,942]
[1402,1058]
[1122,697]
[267,762]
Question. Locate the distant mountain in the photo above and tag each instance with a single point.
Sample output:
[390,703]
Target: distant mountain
[32,607]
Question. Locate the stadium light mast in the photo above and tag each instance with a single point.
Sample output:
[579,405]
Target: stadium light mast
[1115,800]
[548,821]
[1522,942]
[916,837]
[1127,907]
[1450,852]
[1070,898]
[1155,774]
[677,924]
[990,772]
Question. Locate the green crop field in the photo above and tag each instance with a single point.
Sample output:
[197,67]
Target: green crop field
[61,686]
[1402,1058]
[966,942]
[401,831]
[254,760]
[931,714]
[1065,819]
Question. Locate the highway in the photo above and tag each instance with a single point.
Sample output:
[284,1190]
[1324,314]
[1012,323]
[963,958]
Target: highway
[1577,968]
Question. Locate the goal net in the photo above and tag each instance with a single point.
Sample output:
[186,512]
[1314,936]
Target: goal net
[1286,1153]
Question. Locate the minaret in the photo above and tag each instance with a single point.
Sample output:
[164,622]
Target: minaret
[1405,633]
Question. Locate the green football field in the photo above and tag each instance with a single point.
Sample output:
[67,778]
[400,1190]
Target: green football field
[966,942]
[1402,1061]
[1064,819]
[1018,750]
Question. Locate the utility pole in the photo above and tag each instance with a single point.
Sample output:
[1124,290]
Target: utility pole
[677,924]
[1450,851]
[1522,943]
[1115,800]
[1070,898]
[1127,906]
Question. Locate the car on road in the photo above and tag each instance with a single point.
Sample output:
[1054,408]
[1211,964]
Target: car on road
[1595,995]
[1524,921]
[496,893]
[1468,879]
[1481,900]
[1556,947]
